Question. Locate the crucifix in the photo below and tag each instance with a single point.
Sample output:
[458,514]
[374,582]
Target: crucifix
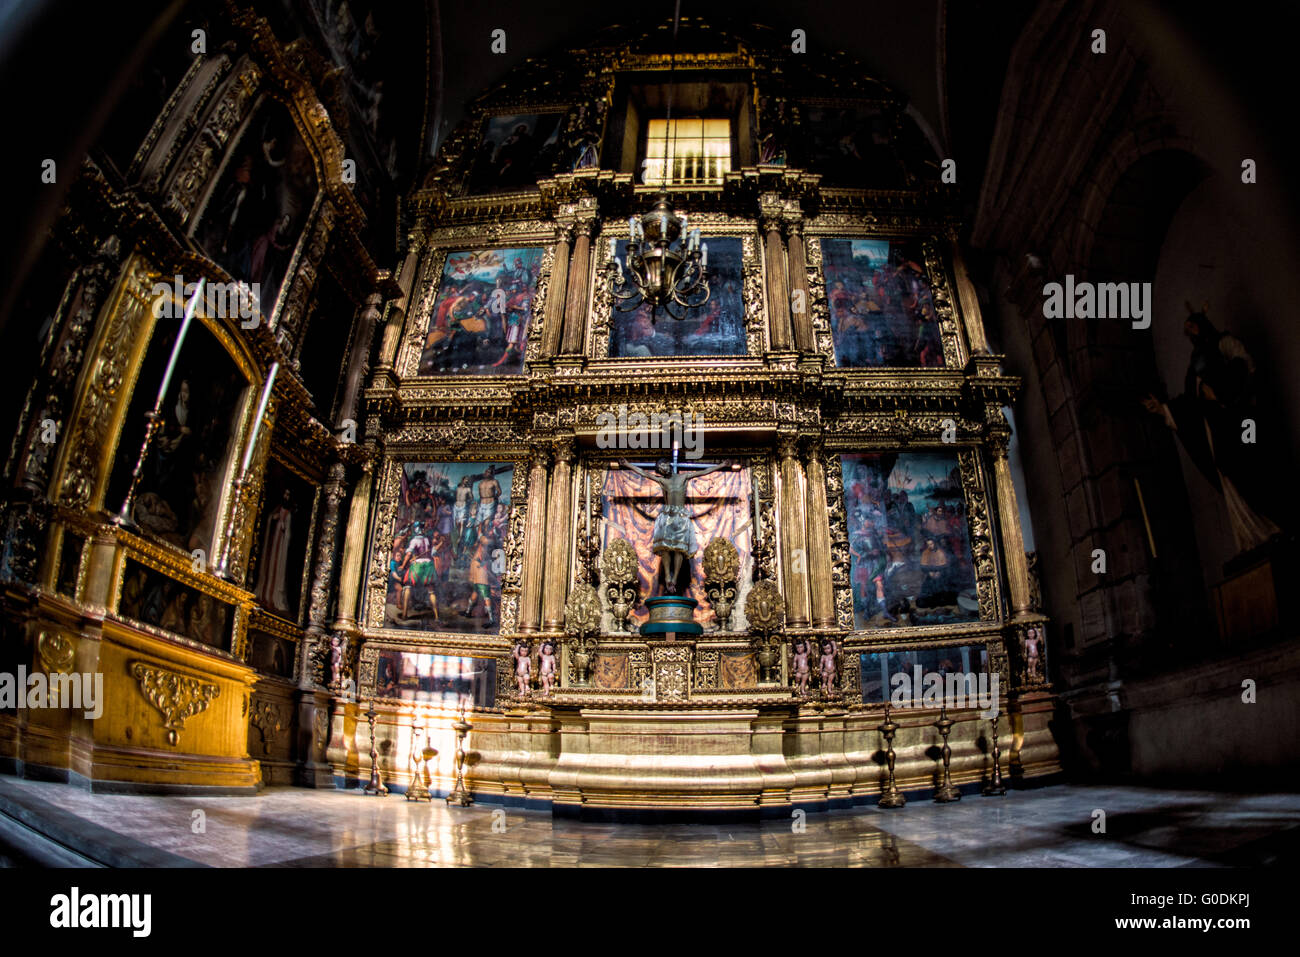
[673,537]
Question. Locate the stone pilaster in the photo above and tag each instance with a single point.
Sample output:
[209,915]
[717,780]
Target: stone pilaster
[535,542]
[821,591]
[794,550]
[558,538]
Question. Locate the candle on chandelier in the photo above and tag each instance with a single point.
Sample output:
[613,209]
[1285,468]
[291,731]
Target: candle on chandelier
[704,254]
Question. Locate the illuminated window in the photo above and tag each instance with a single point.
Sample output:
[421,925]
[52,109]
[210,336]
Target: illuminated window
[690,152]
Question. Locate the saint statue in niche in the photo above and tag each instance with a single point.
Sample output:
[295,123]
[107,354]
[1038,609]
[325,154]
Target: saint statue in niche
[673,538]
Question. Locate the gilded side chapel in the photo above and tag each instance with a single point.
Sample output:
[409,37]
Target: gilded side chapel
[670,422]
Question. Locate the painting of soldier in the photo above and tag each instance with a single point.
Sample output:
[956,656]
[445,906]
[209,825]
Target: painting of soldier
[448,547]
[480,318]
[881,310]
[908,540]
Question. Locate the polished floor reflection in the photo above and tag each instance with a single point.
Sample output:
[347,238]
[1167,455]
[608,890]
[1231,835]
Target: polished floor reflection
[1049,827]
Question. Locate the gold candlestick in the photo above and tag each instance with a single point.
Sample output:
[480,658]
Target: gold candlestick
[420,758]
[946,792]
[460,795]
[995,787]
[376,786]
[892,796]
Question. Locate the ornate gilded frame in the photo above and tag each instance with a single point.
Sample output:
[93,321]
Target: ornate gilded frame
[425,444]
[753,294]
[439,244]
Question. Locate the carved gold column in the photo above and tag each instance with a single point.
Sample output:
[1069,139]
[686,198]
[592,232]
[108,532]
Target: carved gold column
[575,308]
[969,302]
[822,595]
[800,298]
[322,576]
[1013,539]
[535,542]
[778,296]
[406,279]
[351,566]
[553,322]
[794,552]
[360,357]
[557,538]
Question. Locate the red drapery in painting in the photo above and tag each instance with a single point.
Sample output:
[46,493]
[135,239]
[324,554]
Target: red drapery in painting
[720,508]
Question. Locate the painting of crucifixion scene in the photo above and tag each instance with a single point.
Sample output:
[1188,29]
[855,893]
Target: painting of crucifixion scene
[908,540]
[480,318]
[715,329]
[448,547]
[882,313]
[718,504]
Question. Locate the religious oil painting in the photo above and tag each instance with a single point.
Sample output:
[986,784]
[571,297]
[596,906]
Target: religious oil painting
[282,533]
[716,328]
[908,540]
[516,151]
[155,599]
[879,670]
[881,309]
[851,146]
[718,505]
[271,654]
[480,318]
[263,198]
[185,472]
[451,681]
[448,547]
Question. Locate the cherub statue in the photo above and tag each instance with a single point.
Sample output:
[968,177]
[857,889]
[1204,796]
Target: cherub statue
[1033,655]
[336,661]
[802,671]
[549,667]
[523,655]
[829,669]
[673,536]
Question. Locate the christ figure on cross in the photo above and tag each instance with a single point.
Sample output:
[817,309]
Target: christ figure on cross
[673,537]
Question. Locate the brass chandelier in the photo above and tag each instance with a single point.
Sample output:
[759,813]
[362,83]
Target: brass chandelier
[665,265]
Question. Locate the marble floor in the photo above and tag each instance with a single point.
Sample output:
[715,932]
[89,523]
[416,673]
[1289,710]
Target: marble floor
[1047,827]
